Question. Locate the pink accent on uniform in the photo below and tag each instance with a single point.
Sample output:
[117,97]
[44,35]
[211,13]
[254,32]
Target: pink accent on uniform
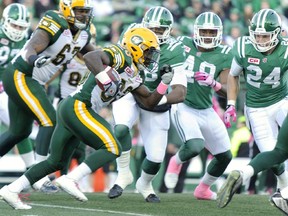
[230,112]
[162,88]
[173,167]
[203,192]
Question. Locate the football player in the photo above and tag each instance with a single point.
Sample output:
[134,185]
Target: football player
[263,59]
[77,116]
[69,77]
[153,123]
[60,35]
[15,24]
[207,60]
[13,35]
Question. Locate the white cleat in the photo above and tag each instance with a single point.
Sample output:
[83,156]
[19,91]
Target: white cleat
[70,186]
[279,202]
[12,199]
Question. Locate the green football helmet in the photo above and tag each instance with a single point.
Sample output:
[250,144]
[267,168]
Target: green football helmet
[160,20]
[208,21]
[15,21]
[265,23]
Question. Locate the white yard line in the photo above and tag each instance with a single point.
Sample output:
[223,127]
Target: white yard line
[88,209]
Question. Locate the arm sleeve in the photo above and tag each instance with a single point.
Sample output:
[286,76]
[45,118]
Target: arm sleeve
[235,69]
[179,77]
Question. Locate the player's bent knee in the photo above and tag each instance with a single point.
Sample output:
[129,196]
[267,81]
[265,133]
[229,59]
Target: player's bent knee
[191,149]
[224,157]
[121,131]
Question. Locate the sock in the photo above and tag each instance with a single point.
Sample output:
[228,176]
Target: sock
[39,158]
[37,185]
[79,172]
[28,158]
[123,162]
[208,179]
[247,173]
[19,184]
[282,180]
[146,178]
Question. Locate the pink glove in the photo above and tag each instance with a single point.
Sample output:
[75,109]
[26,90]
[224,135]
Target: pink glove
[1,87]
[207,80]
[229,112]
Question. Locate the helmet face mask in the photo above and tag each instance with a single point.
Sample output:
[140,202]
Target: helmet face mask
[208,30]
[160,21]
[77,12]
[264,30]
[15,22]
[143,46]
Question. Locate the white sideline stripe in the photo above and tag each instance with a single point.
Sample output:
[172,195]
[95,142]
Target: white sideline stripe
[87,209]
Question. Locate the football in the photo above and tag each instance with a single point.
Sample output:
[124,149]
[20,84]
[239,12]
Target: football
[114,76]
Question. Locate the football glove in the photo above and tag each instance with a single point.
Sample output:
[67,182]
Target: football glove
[229,112]
[207,80]
[42,61]
[110,88]
[166,73]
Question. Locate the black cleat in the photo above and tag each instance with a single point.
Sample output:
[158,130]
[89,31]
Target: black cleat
[153,198]
[115,191]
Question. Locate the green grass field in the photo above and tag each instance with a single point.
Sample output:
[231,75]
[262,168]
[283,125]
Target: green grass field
[61,204]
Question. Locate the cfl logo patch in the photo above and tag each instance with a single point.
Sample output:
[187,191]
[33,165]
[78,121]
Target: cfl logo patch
[254,61]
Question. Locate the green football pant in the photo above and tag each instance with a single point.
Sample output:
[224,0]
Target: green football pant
[28,101]
[77,121]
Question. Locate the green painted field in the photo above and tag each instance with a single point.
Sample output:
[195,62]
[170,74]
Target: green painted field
[61,204]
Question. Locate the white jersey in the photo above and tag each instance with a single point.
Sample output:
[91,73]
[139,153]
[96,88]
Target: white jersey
[71,76]
[131,83]
[62,48]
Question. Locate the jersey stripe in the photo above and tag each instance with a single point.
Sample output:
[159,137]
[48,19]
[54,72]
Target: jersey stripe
[178,127]
[172,46]
[95,127]
[286,53]
[49,25]
[241,47]
[31,101]
[118,57]
[225,49]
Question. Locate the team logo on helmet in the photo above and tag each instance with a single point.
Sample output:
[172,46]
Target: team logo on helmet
[136,40]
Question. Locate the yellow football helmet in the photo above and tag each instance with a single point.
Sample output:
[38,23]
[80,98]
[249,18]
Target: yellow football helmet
[70,8]
[143,45]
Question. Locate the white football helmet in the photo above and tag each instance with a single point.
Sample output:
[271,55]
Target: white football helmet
[211,21]
[15,21]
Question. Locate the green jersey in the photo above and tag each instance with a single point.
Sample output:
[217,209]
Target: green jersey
[212,62]
[263,74]
[172,53]
[92,95]
[8,50]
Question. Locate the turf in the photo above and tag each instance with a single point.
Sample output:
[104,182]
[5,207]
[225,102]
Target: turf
[61,204]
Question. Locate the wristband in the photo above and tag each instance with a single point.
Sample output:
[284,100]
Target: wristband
[32,59]
[231,102]
[217,86]
[103,77]
[163,100]
[162,88]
